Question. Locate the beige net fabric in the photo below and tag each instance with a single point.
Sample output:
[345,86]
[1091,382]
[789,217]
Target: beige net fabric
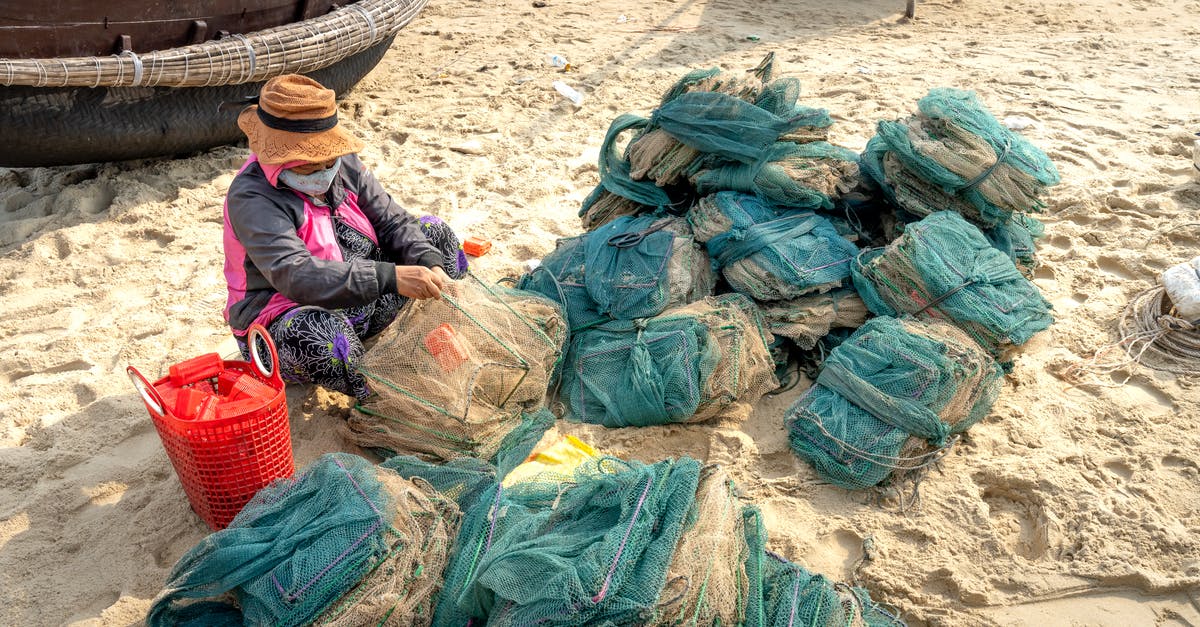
[744,371]
[402,589]
[706,581]
[976,374]
[452,376]
[807,319]
[690,274]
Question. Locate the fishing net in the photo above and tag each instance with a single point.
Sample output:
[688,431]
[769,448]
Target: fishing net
[953,155]
[944,268]
[689,364]
[593,549]
[1016,238]
[344,543]
[891,398]
[632,267]
[805,320]
[768,254]
[784,593]
[453,376]
[706,581]
[715,131]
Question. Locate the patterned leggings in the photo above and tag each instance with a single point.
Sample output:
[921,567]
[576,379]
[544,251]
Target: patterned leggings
[323,346]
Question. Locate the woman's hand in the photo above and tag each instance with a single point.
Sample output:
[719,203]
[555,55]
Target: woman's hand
[420,282]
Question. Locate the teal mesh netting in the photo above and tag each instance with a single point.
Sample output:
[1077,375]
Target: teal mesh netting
[342,543]
[890,398]
[1016,238]
[591,550]
[784,593]
[632,267]
[790,175]
[944,268]
[688,364]
[768,254]
[953,155]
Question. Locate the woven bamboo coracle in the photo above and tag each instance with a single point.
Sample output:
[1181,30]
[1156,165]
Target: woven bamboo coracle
[292,48]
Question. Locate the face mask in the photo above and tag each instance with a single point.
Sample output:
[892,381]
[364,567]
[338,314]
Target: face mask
[313,184]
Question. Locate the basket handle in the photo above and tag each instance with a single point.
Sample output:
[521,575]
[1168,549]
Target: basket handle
[150,396]
[272,372]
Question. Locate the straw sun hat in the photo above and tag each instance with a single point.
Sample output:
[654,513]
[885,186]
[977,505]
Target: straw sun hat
[296,120]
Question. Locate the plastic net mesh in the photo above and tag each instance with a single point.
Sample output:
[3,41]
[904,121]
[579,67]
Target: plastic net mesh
[343,543]
[706,582]
[953,155]
[944,268]
[632,267]
[768,254]
[890,398]
[593,549]
[784,593]
[714,131]
[689,364]
[453,376]
[807,319]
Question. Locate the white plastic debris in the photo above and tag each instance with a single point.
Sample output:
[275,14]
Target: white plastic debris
[1019,122]
[569,93]
[1182,283]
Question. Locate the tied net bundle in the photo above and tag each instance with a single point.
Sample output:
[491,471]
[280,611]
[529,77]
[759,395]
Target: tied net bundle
[632,267]
[590,548]
[689,364]
[767,254]
[706,582]
[344,543]
[715,131]
[953,155]
[807,319]
[944,268]
[891,398]
[784,593]
[1016,238]
[453,376]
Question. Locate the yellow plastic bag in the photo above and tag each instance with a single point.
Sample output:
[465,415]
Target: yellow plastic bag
[559,459]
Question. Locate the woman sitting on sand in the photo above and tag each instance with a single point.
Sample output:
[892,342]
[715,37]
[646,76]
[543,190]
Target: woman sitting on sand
[315,250]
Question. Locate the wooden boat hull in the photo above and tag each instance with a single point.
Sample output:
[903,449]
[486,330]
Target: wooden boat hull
[42,126]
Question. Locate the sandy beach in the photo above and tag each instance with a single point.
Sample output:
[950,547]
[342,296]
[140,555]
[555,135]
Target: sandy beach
[1076,502]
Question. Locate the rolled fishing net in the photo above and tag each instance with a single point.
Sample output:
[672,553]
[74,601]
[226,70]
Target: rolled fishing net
[689,364]
[706,581]
[632,267]
[788,175]
[944,268]
[953,155]
[344,543]
[593,549]
[454,376]
[890,399]
[807,319]
[1017,238]
[768,254]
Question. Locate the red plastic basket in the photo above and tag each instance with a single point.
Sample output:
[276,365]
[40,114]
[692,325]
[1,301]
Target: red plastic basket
[225,427]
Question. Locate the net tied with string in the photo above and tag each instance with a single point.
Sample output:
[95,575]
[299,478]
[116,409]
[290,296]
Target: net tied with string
[892,398]
[953,155]
[590,548]
[769,254]
[689,364]
[454,376]
[632,267]
[943,268]
[807,319]
[343,543]
[715,131]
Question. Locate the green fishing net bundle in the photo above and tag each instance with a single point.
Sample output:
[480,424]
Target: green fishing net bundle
[344,543]
[454,376]
[632,267]
[771,254]
[890,399]
[943,268]
[688,364]
[717,131]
